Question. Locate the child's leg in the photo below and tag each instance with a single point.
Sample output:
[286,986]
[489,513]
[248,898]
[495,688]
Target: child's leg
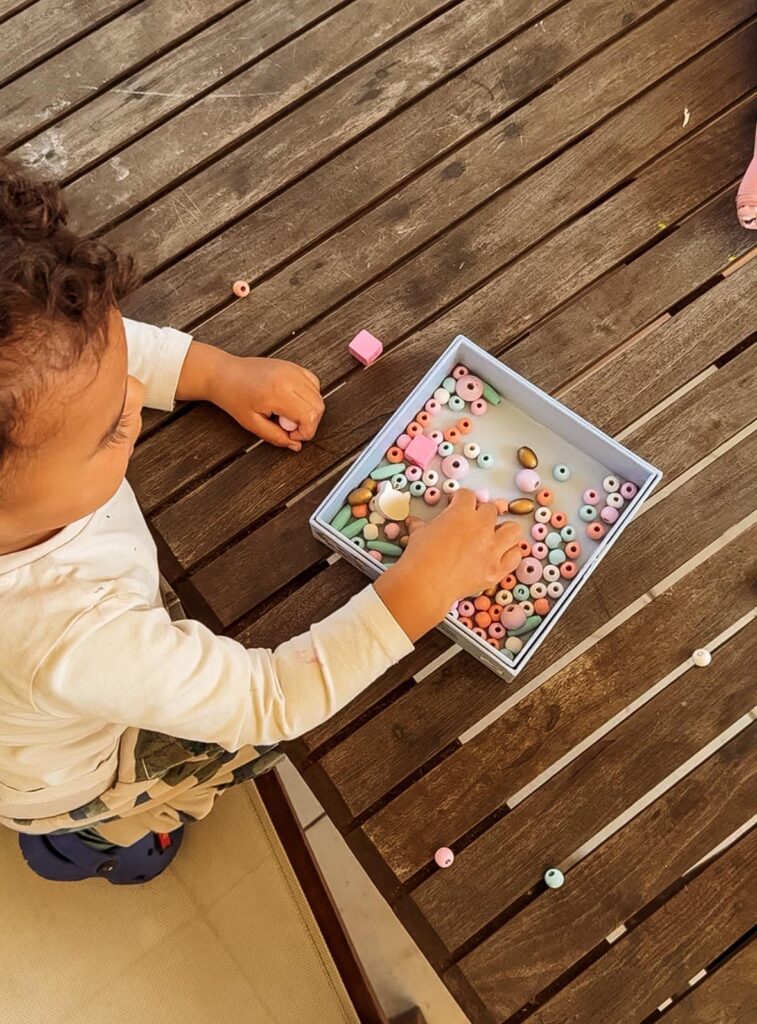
[746,197]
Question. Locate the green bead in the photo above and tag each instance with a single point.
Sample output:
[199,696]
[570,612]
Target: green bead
[588,513]
[485,460]
[508,654]
[446,448]
[399,481]
[456,404]
[449,384]
[342,517]
[394,550]
[560,472]
[530,624]
[491,395]
[417,488]
[521,592]
[354,528]
[554,540]
[359,542]
[557,557]
[554,878]
[385,472]
[568,532]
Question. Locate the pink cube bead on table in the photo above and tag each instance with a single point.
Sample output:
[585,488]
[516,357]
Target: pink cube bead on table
[420,451]
[365,348]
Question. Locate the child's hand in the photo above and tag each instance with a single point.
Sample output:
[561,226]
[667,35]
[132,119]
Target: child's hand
[459,553]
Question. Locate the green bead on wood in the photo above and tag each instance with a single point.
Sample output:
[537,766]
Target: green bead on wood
[354,528]
[393,550]
[342,517]
[385,472]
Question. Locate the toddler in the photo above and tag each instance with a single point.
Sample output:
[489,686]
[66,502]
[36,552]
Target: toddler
[118,725]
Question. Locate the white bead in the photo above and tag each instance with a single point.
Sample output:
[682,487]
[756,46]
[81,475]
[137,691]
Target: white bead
[430,478]
[610,484]
[554,878]
[701,657]
[471,450]
[615,500]
[551,574]
[542,514]
[371,531]
[442,396]
[450,486]
[376,518]
[555,588]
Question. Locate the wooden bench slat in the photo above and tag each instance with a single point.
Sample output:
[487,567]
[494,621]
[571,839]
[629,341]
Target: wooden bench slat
[214,511]
[725,996]
[615,882]
[658,958]
[458,794]
[70,77]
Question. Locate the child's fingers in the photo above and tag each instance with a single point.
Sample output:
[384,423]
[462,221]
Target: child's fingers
[272,432]
[414,523]
[510,560]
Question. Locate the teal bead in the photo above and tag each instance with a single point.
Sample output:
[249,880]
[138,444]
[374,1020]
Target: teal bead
[557,557]
[449,384]
[554,878]
[485,460]
[456,404]
[568,532]
[385,472]
[342,517]
[394,550]
[359,542]
[554,540]
[508,654]
[530,624]
[354,528]
[446,448]
[417,488]
[560,472]
[490,395]
[521,592]
[399,481]
[588,513]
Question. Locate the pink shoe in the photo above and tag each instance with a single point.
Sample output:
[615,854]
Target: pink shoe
[746,197]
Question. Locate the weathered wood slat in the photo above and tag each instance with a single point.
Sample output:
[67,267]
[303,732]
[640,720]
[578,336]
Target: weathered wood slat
[725,996]
[47,25]
[613,884]
[511,856]
[214,196]
[720,406]
[376,758]
[565,262]
[657,959]
[414,137]
[458,794]
[69,78]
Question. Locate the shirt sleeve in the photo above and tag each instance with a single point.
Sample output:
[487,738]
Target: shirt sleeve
[156,356]
[138,668]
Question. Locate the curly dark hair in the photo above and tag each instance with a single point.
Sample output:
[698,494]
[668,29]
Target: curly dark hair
[56,291]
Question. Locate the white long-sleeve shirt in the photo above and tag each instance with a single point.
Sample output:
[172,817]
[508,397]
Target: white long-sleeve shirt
[87,649]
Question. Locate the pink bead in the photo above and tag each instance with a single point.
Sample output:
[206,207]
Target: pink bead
[513,616]
[527,480]
[540,550]
[497,630]
[444,857]
[460,371]
[628,490]
[286,424]
[467,608]
[241,289]
[595,531]
[432,406]
[432,495]
[365,348]
[413,473]
[437,437]
[482,495]
[469,388]
[609,515]
[403,441]
[480,631]
[420,451]
[529,570]
[377,555]
[479,407]
[455,467]
[392,531]
[568,570]
[539,531]
[591,497]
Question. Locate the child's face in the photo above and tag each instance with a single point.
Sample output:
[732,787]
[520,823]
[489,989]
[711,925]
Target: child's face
[77,441]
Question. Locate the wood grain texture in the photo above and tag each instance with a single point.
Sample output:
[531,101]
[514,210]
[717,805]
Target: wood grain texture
[312,131]
[70,77]
[376,758]
[656,959]
[726,996]
[613,884]
[585,796]
[47,25]
[215,510]
[476,781]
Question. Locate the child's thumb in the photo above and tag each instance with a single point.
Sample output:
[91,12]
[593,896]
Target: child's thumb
[272,433]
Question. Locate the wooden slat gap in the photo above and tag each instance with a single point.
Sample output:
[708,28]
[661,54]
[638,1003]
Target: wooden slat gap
[732,353]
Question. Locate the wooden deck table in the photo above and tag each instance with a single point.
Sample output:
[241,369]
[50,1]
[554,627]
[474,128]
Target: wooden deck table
[556,179]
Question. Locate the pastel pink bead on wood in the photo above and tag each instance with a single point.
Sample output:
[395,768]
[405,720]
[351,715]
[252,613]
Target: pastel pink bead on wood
[365,348]
[420,451]
[444,857]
